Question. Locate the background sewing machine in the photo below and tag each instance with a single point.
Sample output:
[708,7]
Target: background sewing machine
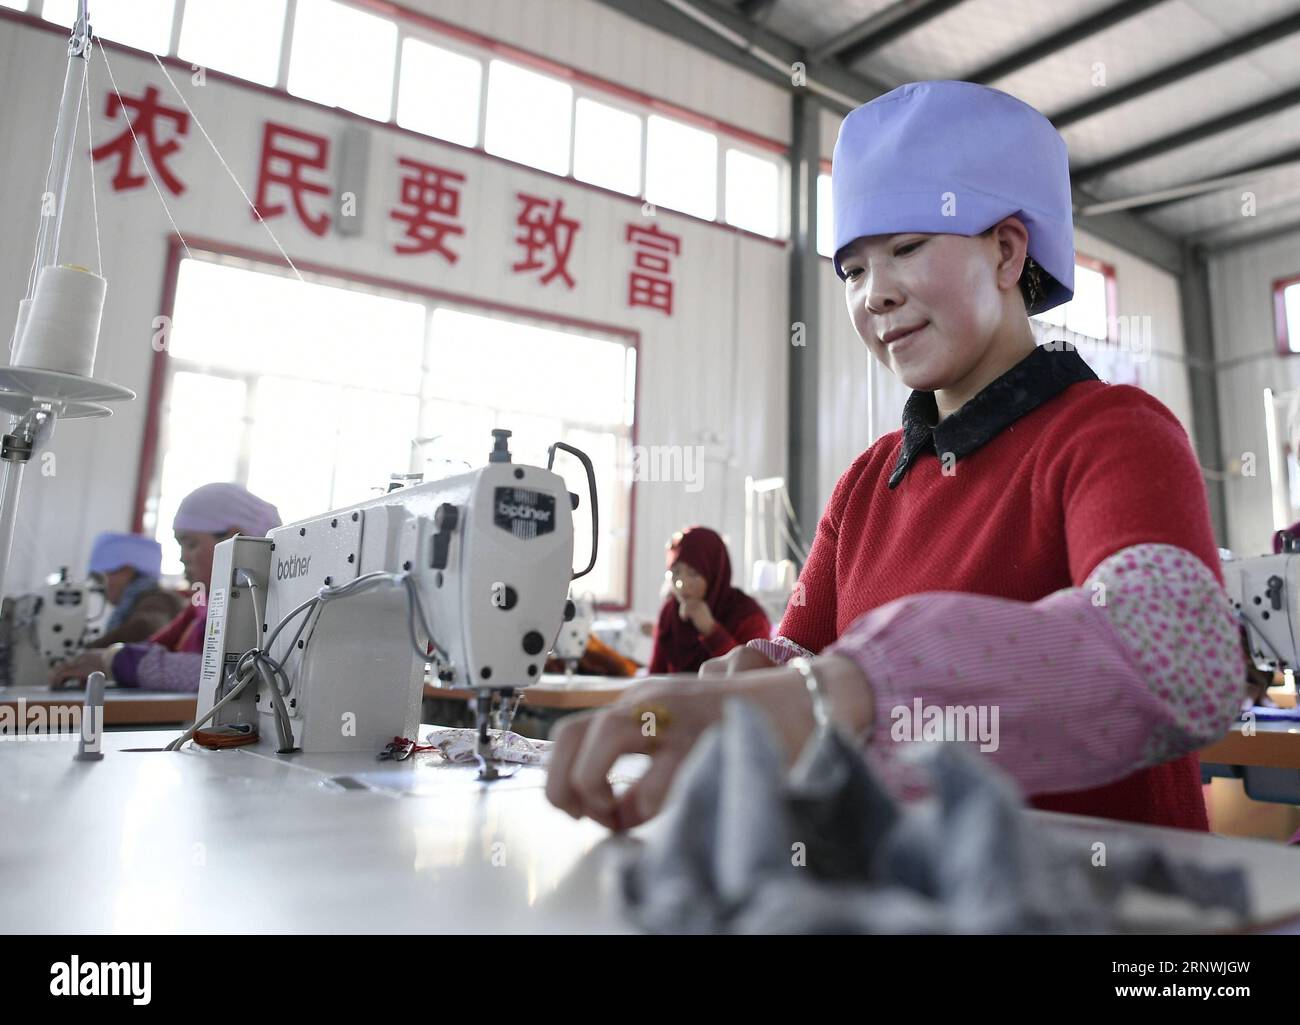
[1265,590]
[575,632]
[337,605]
[42,629]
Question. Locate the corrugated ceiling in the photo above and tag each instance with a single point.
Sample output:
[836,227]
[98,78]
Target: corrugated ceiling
[963,38]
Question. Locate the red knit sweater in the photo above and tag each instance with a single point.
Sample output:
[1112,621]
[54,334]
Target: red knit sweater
[1095,469]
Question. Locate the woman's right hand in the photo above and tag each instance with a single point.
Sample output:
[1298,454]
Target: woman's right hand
[739,659]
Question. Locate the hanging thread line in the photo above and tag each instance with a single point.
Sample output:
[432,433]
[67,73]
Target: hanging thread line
[94,200]
[222,160]
[143,159]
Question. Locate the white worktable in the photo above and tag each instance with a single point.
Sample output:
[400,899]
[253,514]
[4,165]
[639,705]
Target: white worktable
[232,841]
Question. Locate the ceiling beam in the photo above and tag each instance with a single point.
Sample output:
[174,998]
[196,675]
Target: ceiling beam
[1187,136]
[755,10]
[1131,234]
[1242,241]
[1203,61]
[1227,178]
[1121,229]
[1060,40]
[668,17]
[883,27]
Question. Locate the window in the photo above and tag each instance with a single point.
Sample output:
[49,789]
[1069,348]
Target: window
[825,217]
[753,193]
[1286,308]
[313,394]
[17,5]
[607,147]
[1088,313]
[144,24]
[529,117]
[439,92]
[297,390]
[239,37]
[681,167]
[343,57]
[546,385]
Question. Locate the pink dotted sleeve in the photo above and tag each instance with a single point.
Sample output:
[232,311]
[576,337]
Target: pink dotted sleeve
[779,649]
[1140,665]
[161,669]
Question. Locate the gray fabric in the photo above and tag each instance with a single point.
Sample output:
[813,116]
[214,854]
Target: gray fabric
[722,856]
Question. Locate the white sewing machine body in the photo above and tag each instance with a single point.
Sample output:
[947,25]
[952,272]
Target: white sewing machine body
[491,553]
[42,629]
[1265,589]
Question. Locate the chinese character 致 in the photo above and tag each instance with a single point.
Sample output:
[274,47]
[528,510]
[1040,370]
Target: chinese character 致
[545,231]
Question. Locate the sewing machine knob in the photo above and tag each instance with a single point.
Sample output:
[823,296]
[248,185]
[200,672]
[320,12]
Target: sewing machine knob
[570,610]
[533,642]
[573,500]
[446,516]
[508,600]
[1274,591]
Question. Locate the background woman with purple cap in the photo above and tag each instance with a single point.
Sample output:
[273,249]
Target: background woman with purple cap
[129,566]
[170,659]
[1031,541]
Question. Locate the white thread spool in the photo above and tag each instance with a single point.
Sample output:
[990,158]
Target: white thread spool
[24,311]
[62,330]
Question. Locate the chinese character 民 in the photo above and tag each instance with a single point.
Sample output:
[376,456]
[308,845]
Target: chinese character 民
[284,165]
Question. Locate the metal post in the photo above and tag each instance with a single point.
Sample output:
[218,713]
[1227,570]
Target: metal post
[802,361]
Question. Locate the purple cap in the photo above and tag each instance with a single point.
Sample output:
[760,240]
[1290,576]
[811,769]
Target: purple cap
[955,158]
[217,508]
[112,552]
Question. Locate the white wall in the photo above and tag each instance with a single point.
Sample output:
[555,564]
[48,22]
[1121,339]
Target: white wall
[1245,341]
[713,374]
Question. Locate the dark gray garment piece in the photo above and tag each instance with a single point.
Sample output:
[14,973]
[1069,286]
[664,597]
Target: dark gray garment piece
[743,845]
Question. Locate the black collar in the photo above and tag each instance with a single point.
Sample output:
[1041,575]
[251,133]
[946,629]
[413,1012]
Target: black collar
[1043,374]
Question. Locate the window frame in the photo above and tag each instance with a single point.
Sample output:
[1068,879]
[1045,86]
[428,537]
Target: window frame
[1281,327]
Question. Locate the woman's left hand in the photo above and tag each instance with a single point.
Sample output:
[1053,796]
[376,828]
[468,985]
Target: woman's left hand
[665,716]
[662,716]
[75,670]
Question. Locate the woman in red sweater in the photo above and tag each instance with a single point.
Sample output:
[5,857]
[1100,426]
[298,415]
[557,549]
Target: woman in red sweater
[1027,564]
[704,617]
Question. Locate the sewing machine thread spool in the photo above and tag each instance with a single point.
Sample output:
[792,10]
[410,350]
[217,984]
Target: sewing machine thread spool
[60,331]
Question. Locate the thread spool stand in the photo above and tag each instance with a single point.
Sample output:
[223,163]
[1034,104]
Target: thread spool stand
[36,398]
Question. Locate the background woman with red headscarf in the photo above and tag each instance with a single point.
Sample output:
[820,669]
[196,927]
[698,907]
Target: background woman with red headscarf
[704,616]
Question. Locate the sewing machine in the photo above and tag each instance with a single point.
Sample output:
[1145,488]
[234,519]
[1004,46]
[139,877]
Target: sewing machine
[571,644]
[40,630]
[338,603]
[1265,590]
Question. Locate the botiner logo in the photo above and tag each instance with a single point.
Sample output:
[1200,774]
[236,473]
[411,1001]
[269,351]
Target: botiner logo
[294,566]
